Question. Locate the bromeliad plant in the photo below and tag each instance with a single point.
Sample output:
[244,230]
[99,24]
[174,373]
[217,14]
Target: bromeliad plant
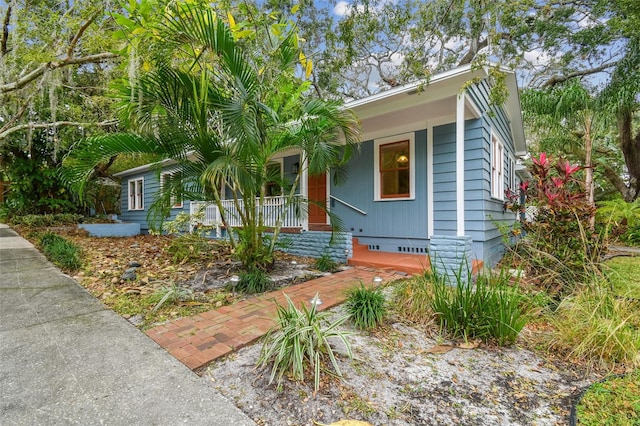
[301,342]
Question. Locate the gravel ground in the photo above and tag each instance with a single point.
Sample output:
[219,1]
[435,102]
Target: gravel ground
[403,375]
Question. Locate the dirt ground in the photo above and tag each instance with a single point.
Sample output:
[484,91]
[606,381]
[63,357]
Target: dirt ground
[400,374]
[404,375]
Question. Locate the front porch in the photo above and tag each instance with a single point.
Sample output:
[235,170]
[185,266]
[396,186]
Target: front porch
[401,262]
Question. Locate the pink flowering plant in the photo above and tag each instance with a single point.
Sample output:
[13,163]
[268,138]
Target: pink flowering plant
[558,249]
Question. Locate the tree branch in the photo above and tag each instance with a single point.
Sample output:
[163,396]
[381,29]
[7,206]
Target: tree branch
[39,71]
[557,79]
[15,118]
[81,30]
[4,41]
[19,127]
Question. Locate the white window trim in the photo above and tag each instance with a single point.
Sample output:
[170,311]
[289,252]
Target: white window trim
[497,167]
[411,137]
[134,205]
[173,198]
[512,174]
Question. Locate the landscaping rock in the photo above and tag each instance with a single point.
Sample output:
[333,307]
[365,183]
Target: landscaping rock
[134,264]
[130,270]
[129,276]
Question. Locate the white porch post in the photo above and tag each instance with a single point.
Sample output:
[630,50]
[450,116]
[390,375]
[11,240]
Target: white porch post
[460,165]
[304,188]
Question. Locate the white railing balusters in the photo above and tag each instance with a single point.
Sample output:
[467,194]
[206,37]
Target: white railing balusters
[272,208]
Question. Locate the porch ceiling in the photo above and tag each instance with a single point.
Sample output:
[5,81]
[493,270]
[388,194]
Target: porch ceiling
[440,111]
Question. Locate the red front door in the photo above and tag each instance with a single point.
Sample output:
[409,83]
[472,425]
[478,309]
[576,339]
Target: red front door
[317,193]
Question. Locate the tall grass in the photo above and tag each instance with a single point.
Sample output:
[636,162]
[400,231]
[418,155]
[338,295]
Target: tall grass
[490,308]
[301,342]
[596,327]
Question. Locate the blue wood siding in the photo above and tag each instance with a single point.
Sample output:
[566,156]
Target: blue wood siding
[151,186]
[444,179]
[391,223]
[481,222]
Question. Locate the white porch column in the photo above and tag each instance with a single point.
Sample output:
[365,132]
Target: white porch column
[460,165]
[304,188]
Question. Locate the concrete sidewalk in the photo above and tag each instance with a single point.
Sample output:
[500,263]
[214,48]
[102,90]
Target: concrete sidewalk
[66,359]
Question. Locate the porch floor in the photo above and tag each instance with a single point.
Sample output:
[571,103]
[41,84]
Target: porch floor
[402,262]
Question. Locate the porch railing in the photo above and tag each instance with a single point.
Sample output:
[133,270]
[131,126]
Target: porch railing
[273,208]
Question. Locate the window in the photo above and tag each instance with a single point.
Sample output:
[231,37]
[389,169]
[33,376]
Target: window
[274,176]
[497,168]
[136,194]
[394,168]
[172,181]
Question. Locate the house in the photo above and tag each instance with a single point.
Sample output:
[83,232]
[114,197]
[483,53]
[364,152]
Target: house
[430,177]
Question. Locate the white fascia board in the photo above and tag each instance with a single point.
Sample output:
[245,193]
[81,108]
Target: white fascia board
[409,87]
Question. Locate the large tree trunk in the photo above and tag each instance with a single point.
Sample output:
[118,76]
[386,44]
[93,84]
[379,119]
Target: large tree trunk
[630,147]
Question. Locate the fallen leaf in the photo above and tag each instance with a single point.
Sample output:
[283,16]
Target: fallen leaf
[440,349]
[469,345]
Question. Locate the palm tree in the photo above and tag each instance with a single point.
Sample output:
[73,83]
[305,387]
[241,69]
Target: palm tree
[221,107]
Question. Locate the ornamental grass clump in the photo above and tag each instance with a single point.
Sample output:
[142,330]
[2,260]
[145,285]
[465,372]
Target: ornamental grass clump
[366,306]
[300,343]
[490,308]
[412,299]
[597,327]
[61,252]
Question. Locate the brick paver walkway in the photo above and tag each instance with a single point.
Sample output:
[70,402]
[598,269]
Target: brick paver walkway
[202,338]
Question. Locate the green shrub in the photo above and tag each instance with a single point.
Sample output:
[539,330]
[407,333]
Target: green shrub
[187,247]
[366,306]
[44,220]
[254,281]
[61,252]
[301,342]
[596,327]
[559,248]
[489,309]
[326,264]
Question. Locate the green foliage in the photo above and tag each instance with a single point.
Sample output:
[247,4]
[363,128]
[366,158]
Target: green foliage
[169,295]
[253,281]
[598,328]
[623,219]
[623,276]
[366,306]
[185,248]
[559,250]
[35,185]
[614,401]
[491,308]
[301,342]
[45,220]
[325,263]
[223,113]
[61,252]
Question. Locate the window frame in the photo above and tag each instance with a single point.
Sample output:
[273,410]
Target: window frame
[135,199]
[377,176]
[179,203]
[497,167]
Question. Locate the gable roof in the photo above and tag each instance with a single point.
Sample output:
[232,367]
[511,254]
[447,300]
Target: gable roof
[440,90]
